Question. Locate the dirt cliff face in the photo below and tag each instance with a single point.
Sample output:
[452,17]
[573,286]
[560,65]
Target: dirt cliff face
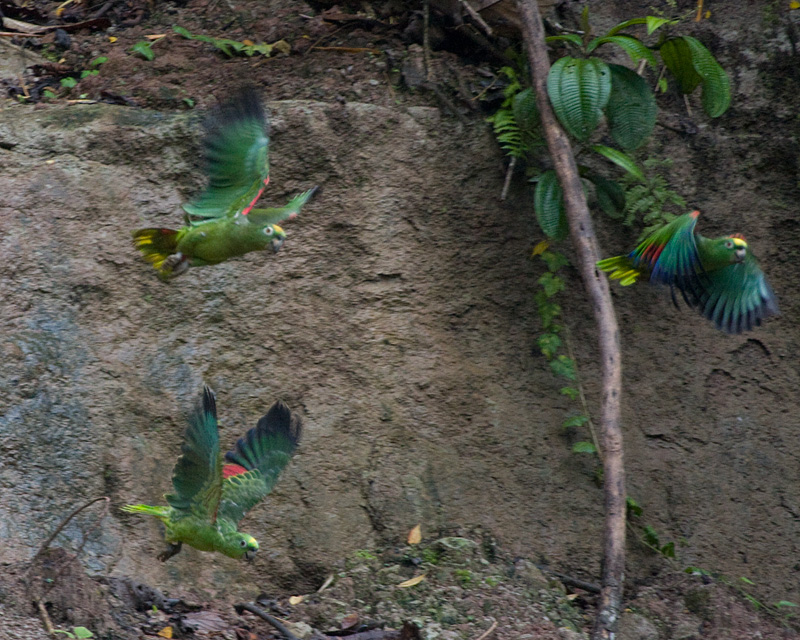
[398,320]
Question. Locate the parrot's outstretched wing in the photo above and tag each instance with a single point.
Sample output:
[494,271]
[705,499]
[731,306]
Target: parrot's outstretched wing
[236,150]
[197,477]
[668,255]
[253,466]
[737,298]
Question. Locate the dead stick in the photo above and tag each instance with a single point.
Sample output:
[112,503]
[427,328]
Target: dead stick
[584,239]
[507,182]
[477,17]
[246,606]
[48,624]
[64,523]
[489,631]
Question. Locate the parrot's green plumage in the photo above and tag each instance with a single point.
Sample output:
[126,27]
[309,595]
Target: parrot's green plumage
[211,493]
[719,277]
[223,222]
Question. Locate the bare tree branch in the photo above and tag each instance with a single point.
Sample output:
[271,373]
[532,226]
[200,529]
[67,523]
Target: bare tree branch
[583,237]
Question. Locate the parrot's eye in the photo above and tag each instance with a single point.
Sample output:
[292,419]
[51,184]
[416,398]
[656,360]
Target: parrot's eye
[729,244]
[242,543]
[267,231]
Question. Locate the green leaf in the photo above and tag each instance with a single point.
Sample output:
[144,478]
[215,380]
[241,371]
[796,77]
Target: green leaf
[549,344]
[633,507]
[610,196]
[574,421]
[227,46]
[716,85]
[634,47]
[554,260]
[651,537]
[548,203]
[144,49]
[677,55]
[98,61]
[584,447]
[82,632]
[620,159]
[564,366]
[654,23]
[579,90]
[668,550]
[551,284]
[571,392]
[567,37]
[631,109]
[785,603]
[747,580]
[68,82]
[525,111]
[624,25]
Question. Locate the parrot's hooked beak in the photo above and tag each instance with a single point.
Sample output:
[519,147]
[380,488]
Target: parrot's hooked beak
[250,554]
[276,244]
[738,255]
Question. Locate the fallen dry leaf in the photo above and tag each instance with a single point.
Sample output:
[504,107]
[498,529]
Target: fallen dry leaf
[415,535]
[293,600]
[166,632]
[412,581]
[349,621]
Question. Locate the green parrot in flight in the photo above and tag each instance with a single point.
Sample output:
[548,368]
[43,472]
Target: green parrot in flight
[212,494]
[719,277]
[223,222]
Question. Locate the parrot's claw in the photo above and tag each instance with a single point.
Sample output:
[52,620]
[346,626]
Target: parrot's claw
[172,549]
[173,266]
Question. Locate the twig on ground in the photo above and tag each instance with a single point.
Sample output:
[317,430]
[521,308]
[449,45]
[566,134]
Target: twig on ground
[65,522]
[569,581]
[489,631]
[48,624]
[246,606]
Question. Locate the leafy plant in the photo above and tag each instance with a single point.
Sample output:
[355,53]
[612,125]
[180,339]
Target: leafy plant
[516,123]
[93,70]
[651,198]
[77,632]
[550,342]
[144,49]
[233,47]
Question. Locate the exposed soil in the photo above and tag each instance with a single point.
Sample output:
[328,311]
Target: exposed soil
[400,322]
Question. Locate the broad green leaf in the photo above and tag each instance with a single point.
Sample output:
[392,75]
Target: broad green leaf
[564,366]
[634,47]
[633,507]
[526,113]
[567,37]
[677,55]
[668,550]
[610,196]
[554,260]
[785,603]
[716,85]
[624,25]
[651,537]
[548,344]
[654,23]
[620,159]
[631,109]
[578,90]
[574,421]
[571,392]
[584,447]
[82,632]
[144,49]
[548,203]
[551,284]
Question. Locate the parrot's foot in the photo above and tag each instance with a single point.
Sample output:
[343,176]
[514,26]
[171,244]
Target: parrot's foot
[172,549]
[173,266]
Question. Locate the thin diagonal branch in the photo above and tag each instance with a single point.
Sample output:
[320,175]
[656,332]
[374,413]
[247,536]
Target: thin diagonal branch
[583,237]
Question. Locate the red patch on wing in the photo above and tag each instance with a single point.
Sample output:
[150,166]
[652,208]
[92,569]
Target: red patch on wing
[258,195]
[232,470]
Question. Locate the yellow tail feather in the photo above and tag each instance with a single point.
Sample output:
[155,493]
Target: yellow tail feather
[620,268]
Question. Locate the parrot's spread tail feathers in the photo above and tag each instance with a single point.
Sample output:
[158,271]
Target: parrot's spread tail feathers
[620,268]
[162,513]
[159,248]
[269,446]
